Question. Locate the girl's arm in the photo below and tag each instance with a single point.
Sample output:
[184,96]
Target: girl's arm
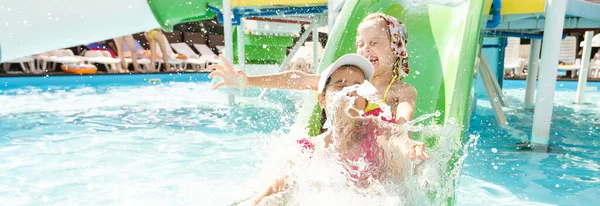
[284,80]
[406,104]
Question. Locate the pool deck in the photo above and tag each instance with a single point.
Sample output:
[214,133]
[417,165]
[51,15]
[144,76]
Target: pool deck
[97,73]
[560,78]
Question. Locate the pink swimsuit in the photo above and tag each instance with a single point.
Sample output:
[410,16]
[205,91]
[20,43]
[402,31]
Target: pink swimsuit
[369,155]
[364,163]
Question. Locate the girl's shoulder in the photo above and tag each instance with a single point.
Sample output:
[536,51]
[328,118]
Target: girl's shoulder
[402,85]
[402,90]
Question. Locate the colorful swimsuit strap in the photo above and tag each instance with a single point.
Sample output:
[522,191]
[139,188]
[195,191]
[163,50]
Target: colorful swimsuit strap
[372,106]
[388,88]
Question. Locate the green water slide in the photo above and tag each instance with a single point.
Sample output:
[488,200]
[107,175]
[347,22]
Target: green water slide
[443,43]
[168,13]
[262,49]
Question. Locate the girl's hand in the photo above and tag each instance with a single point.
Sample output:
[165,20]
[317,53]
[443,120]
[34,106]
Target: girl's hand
[413,149]
[231,77]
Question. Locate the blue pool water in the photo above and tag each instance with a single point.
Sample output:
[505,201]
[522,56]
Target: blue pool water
[569,175]
[120,140]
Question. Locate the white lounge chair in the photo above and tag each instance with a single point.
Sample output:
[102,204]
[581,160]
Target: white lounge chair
[192,58]
[138,49]
[63,56]
[568,55]
[27,65]
[206,54]
[513,64]
[173,61]
[105,58]
[43,58]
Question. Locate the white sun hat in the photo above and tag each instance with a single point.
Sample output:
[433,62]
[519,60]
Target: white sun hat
[349,59]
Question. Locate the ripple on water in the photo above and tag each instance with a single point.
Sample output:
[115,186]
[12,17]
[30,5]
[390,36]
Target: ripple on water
[161,144]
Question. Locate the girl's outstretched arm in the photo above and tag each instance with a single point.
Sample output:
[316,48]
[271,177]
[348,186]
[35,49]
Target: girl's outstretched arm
[284,80]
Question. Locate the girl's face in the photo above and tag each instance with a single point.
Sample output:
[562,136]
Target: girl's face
[341,78]
[373,42]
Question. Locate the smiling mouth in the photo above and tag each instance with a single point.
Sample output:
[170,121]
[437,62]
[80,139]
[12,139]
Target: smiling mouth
[373,60]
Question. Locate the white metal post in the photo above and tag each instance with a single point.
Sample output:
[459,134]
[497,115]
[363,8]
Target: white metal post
[331,15]
[585,64]
[316,43]
[240,41]
[532,71]
[485,72]
[241,51]
[542,116]
[228,36]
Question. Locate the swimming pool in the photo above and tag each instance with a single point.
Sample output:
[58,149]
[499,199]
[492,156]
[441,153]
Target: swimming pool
[126,140]
[569,175]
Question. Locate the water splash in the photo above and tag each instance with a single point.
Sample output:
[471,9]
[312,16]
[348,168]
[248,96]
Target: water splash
[319,179]
[131,137]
